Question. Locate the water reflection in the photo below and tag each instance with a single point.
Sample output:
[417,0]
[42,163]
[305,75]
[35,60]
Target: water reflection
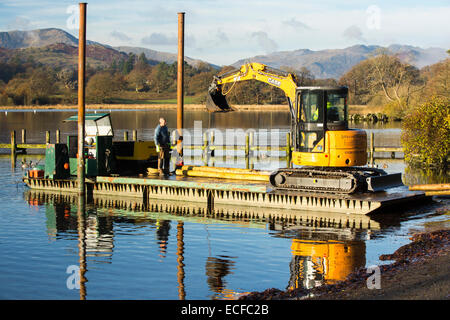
[217,268]
[316,262]
[321,252]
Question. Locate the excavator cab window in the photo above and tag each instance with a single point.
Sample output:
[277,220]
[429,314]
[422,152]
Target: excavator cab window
[336,109]
[310,120]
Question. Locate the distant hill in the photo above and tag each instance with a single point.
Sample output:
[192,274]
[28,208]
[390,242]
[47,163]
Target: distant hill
[333,63]
[55,40]
[59,48]
[161,56]
[62,55]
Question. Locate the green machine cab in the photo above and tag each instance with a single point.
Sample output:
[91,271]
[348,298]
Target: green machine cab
[98,148]
[103,156]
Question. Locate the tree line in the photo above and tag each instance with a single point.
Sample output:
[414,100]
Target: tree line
[381,80]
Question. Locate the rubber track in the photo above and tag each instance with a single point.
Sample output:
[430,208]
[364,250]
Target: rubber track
[357,174]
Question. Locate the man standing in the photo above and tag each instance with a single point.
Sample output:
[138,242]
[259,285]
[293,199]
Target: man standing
[162,142]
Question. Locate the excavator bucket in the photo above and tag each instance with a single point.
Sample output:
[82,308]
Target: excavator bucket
[216,101]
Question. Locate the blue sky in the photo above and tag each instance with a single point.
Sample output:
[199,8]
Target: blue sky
[222,32]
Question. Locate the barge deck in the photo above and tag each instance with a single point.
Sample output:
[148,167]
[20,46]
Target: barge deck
[217,192]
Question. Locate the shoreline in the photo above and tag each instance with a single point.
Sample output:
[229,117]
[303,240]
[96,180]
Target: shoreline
[142,107]
[419,271]
[352,109]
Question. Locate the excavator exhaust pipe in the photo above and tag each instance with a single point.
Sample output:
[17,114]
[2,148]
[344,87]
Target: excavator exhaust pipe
[216,101]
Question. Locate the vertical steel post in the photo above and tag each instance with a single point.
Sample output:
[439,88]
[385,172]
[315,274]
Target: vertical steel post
[81,98]
[180,82]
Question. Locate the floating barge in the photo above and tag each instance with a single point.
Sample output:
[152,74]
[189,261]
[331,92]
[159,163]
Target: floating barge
[214,192]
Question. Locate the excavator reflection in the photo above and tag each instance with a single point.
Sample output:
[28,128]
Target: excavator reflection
[316,262]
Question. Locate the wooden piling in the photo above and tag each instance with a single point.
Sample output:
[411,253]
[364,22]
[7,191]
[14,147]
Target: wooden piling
[372,149]
[288,150]
[134,135]
[58,136]
[125,136]
[47,137]
[13,148]
[24,136]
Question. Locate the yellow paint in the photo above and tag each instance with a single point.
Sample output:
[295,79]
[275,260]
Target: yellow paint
[224,175]
[345,148]
[226,170]
[143,150]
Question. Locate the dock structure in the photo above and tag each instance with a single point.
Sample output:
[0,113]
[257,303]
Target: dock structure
[219,192]
[278,219]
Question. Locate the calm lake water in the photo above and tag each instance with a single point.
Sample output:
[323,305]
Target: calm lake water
[132,253]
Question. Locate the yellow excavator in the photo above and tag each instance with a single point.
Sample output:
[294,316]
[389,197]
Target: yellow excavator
[331,154]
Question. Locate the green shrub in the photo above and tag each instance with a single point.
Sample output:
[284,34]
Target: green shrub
[426,133]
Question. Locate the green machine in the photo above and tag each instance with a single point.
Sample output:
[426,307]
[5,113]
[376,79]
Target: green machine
[98,147]
[56,161]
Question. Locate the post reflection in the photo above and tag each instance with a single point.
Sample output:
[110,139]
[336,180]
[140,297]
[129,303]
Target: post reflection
[216,270]
[180,259]
[81,219]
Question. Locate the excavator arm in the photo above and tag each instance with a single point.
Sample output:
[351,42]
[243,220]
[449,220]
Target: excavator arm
[216,98]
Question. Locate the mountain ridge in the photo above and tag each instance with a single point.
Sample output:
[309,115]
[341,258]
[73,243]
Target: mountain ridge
[326,63]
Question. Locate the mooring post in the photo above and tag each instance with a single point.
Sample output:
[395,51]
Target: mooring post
[125,136]
[81,99]
[13,148]
[288,150]
[372,149]
[211,138]
[58,136]
[134,135]
[247,145]
[180,84]
[47,137]
[24,136]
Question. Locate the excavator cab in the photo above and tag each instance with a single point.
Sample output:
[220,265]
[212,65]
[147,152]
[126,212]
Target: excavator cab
[319,109]
[320,129]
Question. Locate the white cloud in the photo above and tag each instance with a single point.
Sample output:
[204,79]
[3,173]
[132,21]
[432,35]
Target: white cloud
[263,40]
[120,36]
[354,33]
[296,24]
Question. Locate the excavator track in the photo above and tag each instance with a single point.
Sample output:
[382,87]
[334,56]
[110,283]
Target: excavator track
[345,180]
